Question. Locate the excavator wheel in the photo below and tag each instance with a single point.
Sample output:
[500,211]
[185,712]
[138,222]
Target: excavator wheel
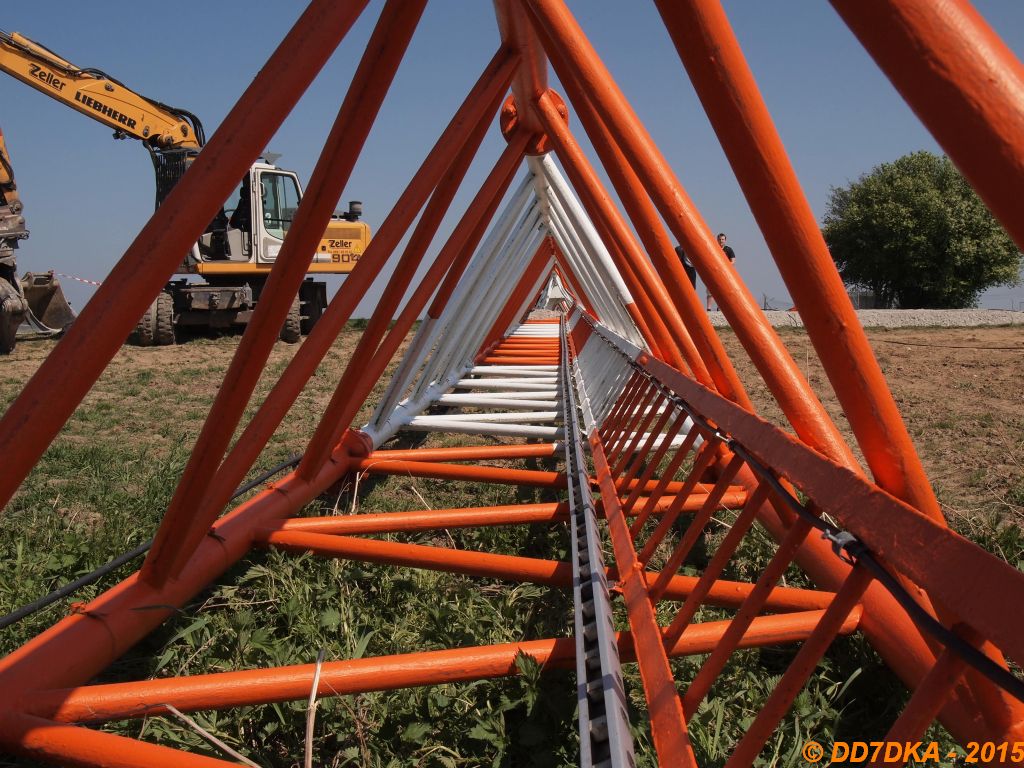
[144,334]
[163,313]
[156,326]
[291,331]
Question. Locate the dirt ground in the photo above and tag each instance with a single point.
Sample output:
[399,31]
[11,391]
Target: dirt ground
[961,392]
[154,400]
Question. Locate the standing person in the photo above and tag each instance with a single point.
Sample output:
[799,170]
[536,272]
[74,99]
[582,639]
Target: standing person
[729,253]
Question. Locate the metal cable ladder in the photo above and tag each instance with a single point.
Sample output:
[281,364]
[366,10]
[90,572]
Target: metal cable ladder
[605,740]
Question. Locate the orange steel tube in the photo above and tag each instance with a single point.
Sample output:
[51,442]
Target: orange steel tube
[531,78]
[469,453]
[726,86]
[723,553]
[422,520]
[223,690]
[360,375]
[515,300]
[553,573]
[926,703]
[368,364]
[641,310]
[656,497]
[702,461]
[373,77]
[34,737]
[504,475]
[752,606]
[695,529]
[652,234]
[485,564]
[56,389]
[733,499]
[83,644]
[962,82]
[429,519]
[795,677]
[762,343]
[302,366]
[644,285]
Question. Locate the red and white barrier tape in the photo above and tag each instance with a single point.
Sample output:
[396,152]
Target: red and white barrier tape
[78,279]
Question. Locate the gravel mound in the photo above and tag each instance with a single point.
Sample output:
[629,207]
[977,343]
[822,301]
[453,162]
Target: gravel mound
[901,318]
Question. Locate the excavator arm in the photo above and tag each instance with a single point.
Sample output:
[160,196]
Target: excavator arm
[37,300]
[12,223]
[12,229]
[99,96]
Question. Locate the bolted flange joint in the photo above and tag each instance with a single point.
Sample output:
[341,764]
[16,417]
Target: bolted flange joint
[510,123]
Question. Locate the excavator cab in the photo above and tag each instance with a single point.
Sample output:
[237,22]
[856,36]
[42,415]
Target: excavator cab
[278,200]
[253,231]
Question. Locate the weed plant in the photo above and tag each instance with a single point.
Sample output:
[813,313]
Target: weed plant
[100,490]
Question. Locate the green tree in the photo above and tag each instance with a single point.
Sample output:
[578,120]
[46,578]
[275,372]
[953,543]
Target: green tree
[915,234]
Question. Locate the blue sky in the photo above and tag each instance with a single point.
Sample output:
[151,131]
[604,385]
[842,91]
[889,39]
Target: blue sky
[86,195]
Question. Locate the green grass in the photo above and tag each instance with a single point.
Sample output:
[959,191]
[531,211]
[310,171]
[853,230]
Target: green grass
[101,489]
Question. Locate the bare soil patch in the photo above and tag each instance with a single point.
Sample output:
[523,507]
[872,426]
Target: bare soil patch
[961,393]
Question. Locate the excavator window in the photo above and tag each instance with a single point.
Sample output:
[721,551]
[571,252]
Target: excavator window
[280,197]
[241,217]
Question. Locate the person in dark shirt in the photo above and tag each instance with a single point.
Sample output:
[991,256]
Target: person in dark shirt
[730,254]
[691,271]
[728,251]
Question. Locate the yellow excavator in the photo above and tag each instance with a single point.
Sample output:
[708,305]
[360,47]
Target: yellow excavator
[235,253]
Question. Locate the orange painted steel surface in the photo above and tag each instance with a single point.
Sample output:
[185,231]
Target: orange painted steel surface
[668,427]
[713,358]
[373,77]
[362,372]
[274,408]
[962,81]
[33,420]
[719,71]
[230,689]
[762,344]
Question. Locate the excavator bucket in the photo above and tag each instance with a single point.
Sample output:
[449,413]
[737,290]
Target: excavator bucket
[49,313]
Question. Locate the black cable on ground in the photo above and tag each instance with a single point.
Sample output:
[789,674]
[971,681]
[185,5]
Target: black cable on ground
[27,610]
[851,550]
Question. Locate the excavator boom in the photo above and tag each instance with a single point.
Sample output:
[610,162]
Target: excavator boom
[239,246]
[101,97]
